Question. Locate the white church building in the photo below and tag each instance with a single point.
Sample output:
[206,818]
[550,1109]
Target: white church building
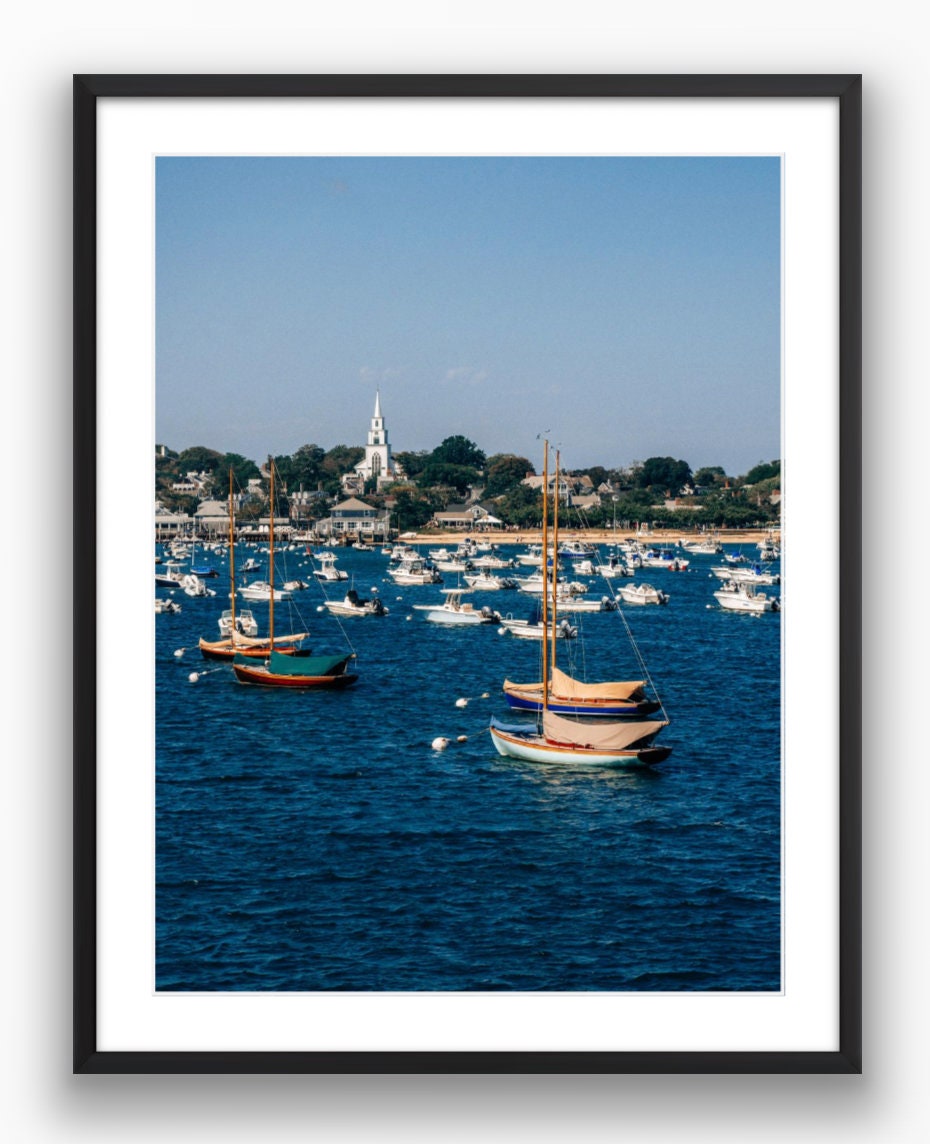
[378,463]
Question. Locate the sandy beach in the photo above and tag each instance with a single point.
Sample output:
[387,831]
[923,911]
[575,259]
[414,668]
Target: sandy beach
[734,536]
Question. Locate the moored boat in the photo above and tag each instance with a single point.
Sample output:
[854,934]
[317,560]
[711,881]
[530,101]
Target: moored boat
[415,572]
[298,670]
[239,630]
[642,594]
[562,736]
[455,610]
[569,741]
[485,581]
[354,605]
[738,596]
[569,696]
[328,570]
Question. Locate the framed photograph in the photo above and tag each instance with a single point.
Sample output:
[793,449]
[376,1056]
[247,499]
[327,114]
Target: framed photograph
[424,391]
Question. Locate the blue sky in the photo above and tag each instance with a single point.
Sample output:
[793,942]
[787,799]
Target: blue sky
[628,306]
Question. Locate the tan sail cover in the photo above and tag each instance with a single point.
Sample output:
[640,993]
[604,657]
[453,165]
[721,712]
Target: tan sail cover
[601,737]
[251,641]
[562,686]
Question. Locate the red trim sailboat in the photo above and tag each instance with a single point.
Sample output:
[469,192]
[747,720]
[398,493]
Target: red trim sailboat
[238,643]
[283,670]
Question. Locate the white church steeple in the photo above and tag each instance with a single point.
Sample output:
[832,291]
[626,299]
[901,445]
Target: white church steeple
[378,464]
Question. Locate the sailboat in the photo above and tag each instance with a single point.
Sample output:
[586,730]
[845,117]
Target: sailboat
[293,671]
[619,736]
[239,631]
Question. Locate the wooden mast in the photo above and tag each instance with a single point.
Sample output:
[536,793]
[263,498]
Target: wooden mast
[232,567]
[271,558]
[555,562]
[545,579]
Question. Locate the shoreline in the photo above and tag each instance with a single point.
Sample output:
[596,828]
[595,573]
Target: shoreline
[592,535]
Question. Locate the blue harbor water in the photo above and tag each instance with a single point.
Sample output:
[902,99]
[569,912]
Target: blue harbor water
[316,841]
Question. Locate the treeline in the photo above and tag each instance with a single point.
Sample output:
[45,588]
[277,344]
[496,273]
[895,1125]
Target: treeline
[310,468]
[457,468]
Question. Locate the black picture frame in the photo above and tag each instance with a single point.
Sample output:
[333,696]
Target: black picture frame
[847,91]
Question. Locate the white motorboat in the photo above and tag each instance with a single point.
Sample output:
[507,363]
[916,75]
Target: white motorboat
[192,585]
[167,606]
[663,558]
[528,630]
[328,570]
[353,605]
[642,594]
[577,549]
[260,590]
[570,603]
[746,574]
[702,547]
[533,584]
[532,558]
[246,624]
[613,568]
[455,610]
[485,581]
[169,577]
[742,597]
[492,561]
[415,572]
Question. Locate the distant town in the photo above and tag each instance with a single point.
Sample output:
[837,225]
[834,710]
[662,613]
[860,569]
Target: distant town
[368,491]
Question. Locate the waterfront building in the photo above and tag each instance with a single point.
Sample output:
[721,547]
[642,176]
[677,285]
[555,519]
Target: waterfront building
[355,518]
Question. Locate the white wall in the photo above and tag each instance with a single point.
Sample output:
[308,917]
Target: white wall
[41,46]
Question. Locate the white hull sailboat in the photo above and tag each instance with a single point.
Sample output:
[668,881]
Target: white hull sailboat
[576,741]
[570,741]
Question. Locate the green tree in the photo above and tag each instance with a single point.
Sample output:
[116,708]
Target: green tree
[521,506]
[412,510]
[597,473]
[243,469]
[412,463]
[710,476]
[664,473]
[504,470]
[199,459]
[178,502]
[439,474]
[303,468]
[341,459]
[763,472]
[458,450]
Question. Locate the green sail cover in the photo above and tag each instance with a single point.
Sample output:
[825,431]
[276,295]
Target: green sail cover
[306,665]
